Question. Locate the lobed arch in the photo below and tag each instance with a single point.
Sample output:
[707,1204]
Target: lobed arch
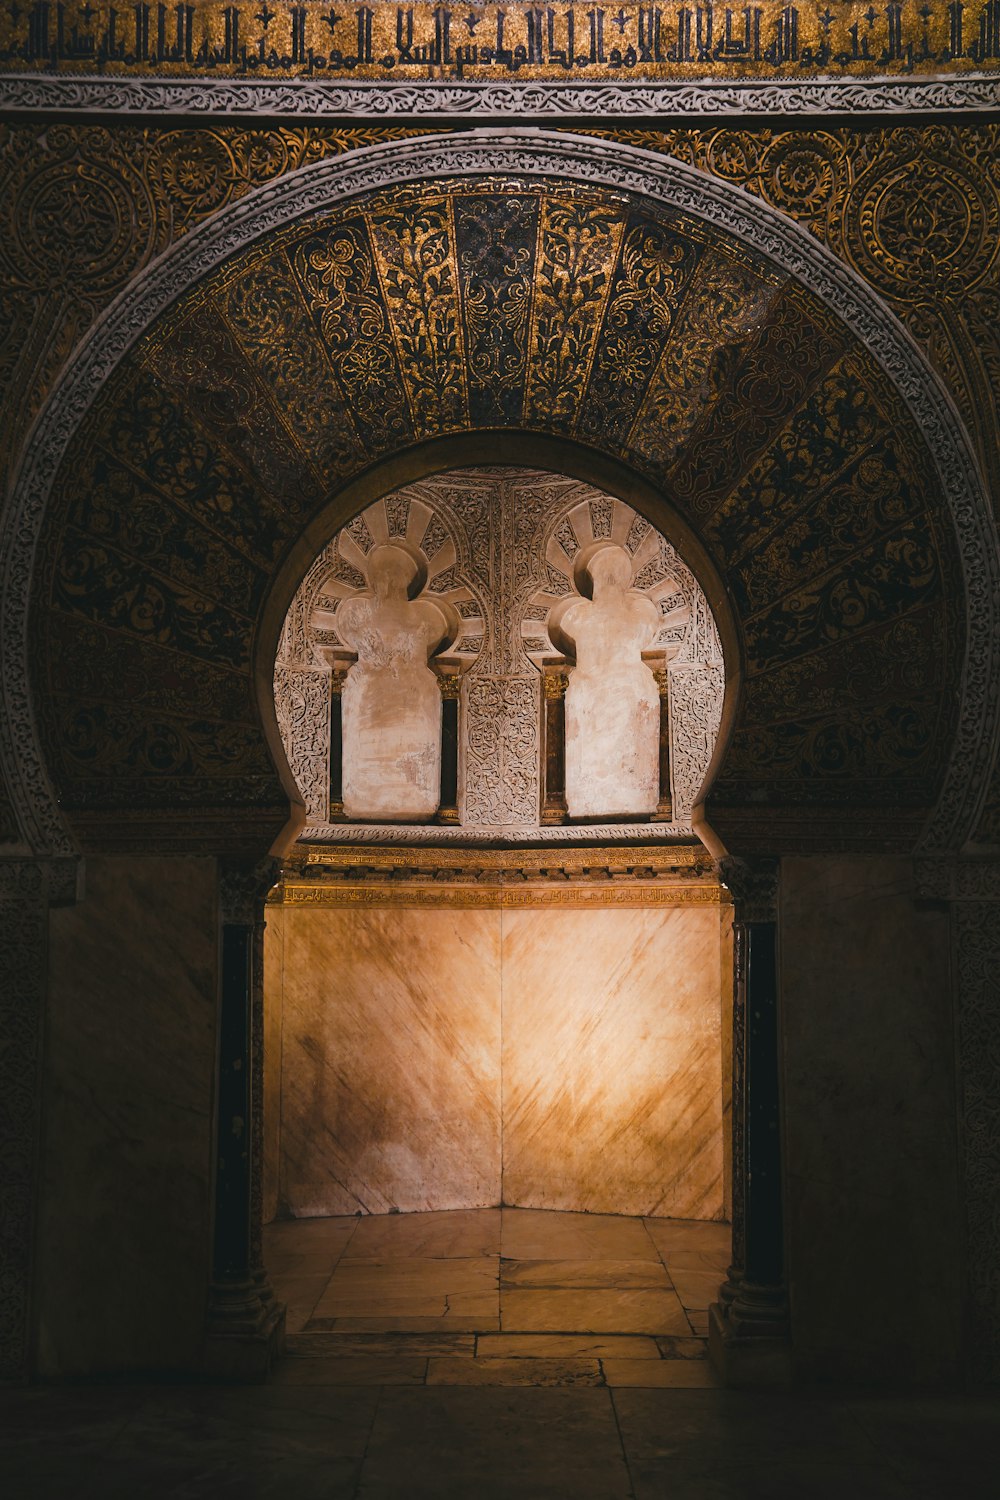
[781,388]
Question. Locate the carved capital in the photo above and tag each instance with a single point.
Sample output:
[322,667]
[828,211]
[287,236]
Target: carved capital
[554,682]
[243,887]
[450,684]
[754,886]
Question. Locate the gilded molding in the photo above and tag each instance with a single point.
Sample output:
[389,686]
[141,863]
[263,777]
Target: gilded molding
[497,897]
[690,857]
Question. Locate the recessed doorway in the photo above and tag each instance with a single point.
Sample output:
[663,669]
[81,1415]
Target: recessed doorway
[497,1034]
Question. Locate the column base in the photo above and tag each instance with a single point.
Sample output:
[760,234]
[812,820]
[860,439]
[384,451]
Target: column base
[747,1359]
[245,1335]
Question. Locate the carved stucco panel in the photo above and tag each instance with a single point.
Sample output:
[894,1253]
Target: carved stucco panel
[302,700]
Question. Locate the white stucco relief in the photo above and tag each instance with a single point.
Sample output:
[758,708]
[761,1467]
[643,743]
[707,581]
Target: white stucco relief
[507,556]
[612,700]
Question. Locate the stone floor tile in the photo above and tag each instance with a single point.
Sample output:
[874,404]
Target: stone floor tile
[404,1275]
[300,1294]
[566,1345]
[699,1260]
[51,1439]
[696,1289]
[261,1443]
[583,1273]
[704,1426]
[554,1310]
[672,1347]
[301,1247]
[670,1235]
[411,1288]
[816,1480]
[946,1444]
[455,1443]
[514,1372]
[354,1370]
[679,1374]
[482,1318]
[539,1234]
[454,1233]
[336,1345]
[698,1321]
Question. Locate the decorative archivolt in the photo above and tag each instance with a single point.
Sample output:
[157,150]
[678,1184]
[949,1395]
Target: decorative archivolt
[501,551]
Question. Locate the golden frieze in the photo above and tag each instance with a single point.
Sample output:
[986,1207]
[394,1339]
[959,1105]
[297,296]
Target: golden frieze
[421,43]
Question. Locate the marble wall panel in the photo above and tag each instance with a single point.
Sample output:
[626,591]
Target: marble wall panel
[871,1162]
[126,1196]
[390,1060]
[612,1061]
[451,1057]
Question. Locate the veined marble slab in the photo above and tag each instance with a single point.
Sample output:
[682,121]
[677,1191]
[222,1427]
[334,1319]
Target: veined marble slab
[390,1060]
[453,1057]
[612,1061]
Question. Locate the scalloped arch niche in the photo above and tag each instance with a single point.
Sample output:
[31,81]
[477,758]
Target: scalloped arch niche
[477,1014]
[501,550]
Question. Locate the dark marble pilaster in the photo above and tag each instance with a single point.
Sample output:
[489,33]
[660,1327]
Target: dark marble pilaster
[970,888]
[28,888]
[748,1326]
[245,1324]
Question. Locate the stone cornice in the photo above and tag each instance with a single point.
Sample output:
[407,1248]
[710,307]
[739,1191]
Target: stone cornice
[677,875]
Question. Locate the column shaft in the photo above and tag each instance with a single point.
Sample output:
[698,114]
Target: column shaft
[336,799]
[554,808]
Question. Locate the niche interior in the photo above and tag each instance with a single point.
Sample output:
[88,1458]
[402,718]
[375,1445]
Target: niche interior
[498,965]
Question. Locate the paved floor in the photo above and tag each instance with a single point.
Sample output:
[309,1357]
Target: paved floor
[437,1411]
[497,1297]
[283,1442]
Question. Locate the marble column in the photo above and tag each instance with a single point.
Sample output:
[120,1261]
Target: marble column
[450,682]
[664,807]
[245,1325]
[28,888]
[970,889]
[340,663]
[554,809]
[748,1327]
